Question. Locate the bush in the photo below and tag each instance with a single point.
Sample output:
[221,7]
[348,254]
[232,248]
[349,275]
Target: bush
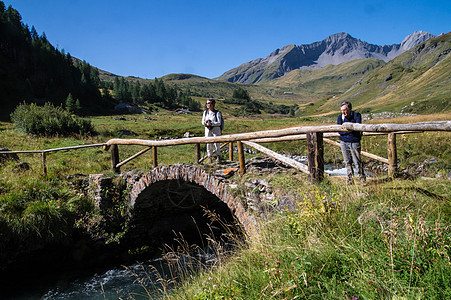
[241,93]
[48,120]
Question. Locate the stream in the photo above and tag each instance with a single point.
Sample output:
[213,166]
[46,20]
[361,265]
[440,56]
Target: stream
[136,281]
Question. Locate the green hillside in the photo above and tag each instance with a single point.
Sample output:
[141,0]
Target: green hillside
[297,87]
[198,86]
[330,80]
[33,70]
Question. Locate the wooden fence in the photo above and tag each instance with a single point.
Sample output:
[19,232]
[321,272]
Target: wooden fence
[314,135]
[45,152]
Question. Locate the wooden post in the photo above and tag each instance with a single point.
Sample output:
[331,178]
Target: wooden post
[44,163]
[115,158]
[392,154]
[241,157]
[154,156]
[315,156]
[231,151]
[197,153]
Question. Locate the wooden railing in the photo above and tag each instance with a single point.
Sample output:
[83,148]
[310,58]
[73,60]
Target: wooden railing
[45,152]
[315,136]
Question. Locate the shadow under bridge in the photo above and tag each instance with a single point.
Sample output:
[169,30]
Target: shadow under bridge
[184,201]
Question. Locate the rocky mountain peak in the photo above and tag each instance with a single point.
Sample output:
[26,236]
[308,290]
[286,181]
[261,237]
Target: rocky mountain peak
[335,49]
[338,37]
[414,39]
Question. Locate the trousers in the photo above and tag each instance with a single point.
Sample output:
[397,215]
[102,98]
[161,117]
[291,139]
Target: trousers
[352,159]
[213,147]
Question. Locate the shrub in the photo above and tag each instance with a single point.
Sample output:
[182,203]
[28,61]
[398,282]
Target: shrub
[48,120]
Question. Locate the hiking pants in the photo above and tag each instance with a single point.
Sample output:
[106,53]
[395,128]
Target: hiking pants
[352,160]
[213,147]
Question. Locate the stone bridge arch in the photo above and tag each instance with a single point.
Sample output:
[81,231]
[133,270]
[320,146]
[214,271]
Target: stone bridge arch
[196,180]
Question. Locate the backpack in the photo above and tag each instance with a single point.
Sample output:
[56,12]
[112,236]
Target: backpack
[222,120]
[216,116]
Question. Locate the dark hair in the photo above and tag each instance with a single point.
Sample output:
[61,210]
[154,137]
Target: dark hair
[347,103]
[213,101]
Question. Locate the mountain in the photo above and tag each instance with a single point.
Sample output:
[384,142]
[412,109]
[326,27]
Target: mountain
[335,49]
[417,81]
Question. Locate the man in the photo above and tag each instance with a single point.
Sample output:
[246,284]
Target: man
[350,142]
[213,122]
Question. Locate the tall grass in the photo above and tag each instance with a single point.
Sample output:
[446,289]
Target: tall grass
[37,211]
[379,242]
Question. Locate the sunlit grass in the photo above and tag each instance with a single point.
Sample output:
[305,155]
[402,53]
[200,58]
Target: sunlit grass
[385,240]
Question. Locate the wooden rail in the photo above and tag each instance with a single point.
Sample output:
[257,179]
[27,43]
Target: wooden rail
[378,158]
[44,152]
[326,135]
[424,126]
[54,149]
[286,160]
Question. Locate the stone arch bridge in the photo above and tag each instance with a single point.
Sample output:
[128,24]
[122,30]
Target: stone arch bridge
[170,196]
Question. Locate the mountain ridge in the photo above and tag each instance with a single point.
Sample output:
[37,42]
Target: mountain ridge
[335,49]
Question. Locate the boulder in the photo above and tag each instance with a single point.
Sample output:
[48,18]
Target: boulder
[130,109]
[126,132]
[23,166]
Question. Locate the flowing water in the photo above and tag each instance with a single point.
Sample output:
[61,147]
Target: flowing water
[136,281]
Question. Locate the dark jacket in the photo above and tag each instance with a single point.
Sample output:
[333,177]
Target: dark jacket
[351,136]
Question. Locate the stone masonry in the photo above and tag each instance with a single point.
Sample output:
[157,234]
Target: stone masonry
[137,182]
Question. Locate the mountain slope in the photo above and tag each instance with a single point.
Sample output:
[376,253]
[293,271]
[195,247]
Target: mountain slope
[329,80]
[335,49]
[417,81]
[33,70]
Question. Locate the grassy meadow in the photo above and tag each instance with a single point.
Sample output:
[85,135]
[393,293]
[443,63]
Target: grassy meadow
[389,239]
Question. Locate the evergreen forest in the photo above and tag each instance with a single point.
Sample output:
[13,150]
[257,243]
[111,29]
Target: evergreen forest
[34,71]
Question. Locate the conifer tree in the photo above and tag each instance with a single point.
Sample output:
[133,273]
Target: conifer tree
[77,106]
[70,103]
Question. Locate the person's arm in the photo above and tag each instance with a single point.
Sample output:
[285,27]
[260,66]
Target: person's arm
[203,118]
[339,120]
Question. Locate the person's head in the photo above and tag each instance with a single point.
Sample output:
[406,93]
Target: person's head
[346,108]
[211,103]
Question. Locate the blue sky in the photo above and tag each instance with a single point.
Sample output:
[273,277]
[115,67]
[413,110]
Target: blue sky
[151,39]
